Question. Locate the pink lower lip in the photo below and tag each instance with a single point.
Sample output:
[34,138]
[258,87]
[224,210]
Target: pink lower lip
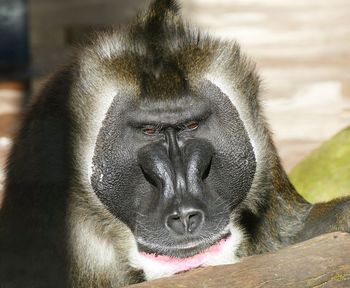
[183,264]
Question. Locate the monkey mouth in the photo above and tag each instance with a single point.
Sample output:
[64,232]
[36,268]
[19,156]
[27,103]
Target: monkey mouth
[184,250]
[215,254]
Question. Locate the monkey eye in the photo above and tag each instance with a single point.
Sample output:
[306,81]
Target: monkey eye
[193,125]
[149,130]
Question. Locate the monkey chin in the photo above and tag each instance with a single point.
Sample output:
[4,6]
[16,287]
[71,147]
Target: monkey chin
[157,266]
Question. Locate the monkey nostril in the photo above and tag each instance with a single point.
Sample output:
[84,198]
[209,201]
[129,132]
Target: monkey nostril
[186,222]
[175,223]
[194,220]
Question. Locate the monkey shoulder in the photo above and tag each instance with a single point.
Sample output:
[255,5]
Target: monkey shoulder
[327,217]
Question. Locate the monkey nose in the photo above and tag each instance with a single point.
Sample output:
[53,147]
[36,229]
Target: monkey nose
[186,221]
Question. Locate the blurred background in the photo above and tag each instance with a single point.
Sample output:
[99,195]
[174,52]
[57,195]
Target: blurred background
[301,47]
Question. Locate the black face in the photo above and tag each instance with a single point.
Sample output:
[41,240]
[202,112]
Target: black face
[174,171]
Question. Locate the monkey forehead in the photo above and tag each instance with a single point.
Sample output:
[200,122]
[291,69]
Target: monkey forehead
[197,104]
[124,60]
[175,112]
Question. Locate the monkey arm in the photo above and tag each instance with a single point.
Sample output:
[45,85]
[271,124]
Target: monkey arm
[327,217]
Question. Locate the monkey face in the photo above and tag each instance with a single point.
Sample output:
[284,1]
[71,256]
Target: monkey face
[173,171]
[146,156]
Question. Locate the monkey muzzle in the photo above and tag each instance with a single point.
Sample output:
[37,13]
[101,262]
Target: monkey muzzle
[177,173]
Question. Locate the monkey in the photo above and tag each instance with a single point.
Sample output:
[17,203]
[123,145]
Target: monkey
[146,155]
